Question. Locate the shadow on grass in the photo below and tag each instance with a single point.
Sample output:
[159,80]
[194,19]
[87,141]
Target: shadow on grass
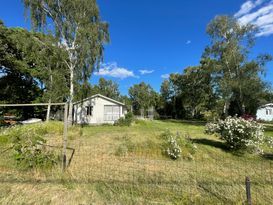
[212,143]
[268,128]
[190,122]
[268,156]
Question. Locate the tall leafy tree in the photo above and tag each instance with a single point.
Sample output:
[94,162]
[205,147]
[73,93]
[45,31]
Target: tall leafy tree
[104,87]
[108,88]
[227,57]
[188,94]
[142,96]
[196,90]
[80,31]
[32,61]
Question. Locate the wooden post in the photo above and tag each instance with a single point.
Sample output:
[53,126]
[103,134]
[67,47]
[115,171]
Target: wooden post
[65,135]
[248,192]
[48,111]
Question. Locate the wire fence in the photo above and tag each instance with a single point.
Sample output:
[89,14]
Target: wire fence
[144,175]
[206,179]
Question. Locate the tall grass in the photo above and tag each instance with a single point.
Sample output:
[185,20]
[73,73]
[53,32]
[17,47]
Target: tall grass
[101,174]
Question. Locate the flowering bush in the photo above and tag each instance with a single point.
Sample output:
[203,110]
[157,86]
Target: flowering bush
[173,150]
[176,146]
[239,134]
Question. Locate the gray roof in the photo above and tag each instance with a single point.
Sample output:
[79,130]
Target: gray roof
[101,96]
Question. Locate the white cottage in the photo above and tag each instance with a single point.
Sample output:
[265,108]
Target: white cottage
[98,109]
[265,112]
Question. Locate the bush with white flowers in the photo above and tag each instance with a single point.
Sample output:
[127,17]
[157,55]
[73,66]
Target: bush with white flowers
[173,150]
[239,134]
[176,146]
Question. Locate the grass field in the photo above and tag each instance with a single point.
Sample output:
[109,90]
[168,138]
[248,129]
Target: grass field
[125,165]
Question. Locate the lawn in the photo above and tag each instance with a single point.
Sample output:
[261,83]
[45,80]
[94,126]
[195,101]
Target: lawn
[125,165]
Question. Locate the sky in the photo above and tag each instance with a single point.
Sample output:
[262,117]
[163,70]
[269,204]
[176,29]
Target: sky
[152,38]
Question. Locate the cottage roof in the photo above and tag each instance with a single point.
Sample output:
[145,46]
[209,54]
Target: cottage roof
[101,96]
[267,105]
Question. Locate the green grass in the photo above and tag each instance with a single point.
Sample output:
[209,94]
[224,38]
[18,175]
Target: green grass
[125,165]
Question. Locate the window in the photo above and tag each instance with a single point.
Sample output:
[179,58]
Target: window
[268,111]
[111,112]
[89,110]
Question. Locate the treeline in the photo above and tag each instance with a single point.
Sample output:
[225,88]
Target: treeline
[36,67]
[227,82]
[60,53]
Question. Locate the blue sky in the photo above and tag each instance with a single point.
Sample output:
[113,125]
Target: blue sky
[152,38]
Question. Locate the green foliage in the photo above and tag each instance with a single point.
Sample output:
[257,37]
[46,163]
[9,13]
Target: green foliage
[142,96]
[188,94]
[211,115]
[78,27]
[128,146]
[237,80]
[28,145]
[177,146]
[125,121]
[32,68]
[105,87]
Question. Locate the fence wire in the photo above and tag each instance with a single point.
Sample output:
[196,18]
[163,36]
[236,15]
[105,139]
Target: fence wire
[136,175]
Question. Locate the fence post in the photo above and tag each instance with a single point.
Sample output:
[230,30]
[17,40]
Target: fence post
[248,192]
[65,135]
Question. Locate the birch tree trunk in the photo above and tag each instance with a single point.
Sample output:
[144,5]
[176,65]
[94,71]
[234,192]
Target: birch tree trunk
[70,110]
[49,102]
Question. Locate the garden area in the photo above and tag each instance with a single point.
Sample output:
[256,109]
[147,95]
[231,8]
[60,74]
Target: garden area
[149,162]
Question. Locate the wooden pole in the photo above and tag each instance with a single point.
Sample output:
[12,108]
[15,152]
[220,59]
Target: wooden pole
[248,192]
[65,135]
[48,111]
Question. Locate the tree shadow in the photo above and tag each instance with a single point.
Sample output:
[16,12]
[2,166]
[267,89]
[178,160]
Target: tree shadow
[268,128]
[212,143]
[189,122]
[268,156]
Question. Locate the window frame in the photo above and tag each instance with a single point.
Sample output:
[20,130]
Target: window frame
[112,116]
[89,110]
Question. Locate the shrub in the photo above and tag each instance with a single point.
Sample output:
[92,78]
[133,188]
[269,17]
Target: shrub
[125,121]
[210,115]
[128,146]
[173,149]
[239,134]
[176,146]
[29,148]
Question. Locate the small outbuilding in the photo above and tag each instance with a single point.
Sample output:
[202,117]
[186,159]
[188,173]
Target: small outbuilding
[98,109]
[265,112]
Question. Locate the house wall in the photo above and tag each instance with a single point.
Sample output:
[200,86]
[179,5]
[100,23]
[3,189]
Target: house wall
[98,103]
[262,115]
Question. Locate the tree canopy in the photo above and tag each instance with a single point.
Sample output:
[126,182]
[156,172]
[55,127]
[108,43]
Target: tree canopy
[80,31]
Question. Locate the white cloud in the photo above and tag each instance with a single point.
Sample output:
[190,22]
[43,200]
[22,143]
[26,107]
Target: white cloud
[188,42]
[144,72]
[262,16]
[247,7]
[112,70]
[165,76]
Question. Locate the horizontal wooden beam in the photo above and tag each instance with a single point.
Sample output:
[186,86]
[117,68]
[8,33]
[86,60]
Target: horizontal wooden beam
[34,104]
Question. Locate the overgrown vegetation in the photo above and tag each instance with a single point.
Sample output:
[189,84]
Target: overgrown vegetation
[28,146]
[176,146]
[127,120]
[141,174]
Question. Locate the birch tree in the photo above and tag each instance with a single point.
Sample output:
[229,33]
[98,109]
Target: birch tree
[78,26]
[228,57]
